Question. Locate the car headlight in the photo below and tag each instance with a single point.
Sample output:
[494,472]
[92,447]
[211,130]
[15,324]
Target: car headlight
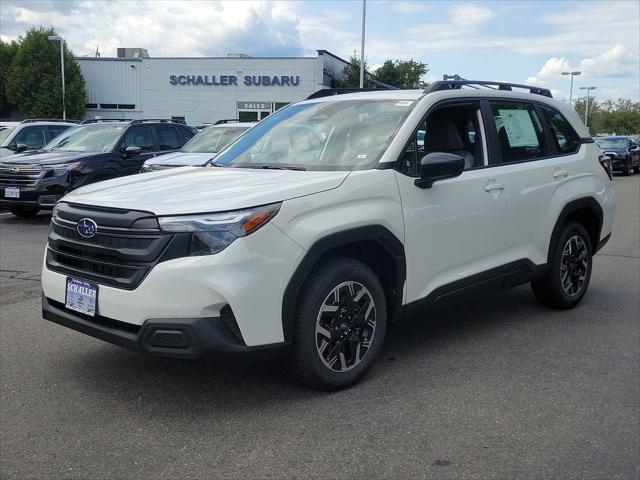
[213,232]
[63,168]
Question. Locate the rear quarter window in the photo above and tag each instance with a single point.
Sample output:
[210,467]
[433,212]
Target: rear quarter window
[564,136]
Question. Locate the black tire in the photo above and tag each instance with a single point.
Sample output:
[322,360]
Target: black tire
[313,352]
[24,212]
[549,290]
[636,169]
[627,169]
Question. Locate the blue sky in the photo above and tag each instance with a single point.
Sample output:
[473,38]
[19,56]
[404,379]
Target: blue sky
[518,41]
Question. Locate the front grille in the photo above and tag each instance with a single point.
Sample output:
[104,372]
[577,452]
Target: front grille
[27,176]
[119,255]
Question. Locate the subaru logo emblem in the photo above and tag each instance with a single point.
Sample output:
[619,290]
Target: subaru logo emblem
[14,170]
[87,227]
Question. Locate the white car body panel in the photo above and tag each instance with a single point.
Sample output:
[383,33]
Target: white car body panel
[182,159]
[204,189]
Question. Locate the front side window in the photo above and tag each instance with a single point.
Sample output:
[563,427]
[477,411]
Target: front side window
[519,130]
[450,129]
[565,137]
[32,137]
[138,137]
[213,139]
[331,135]
[168,138]
[97,138]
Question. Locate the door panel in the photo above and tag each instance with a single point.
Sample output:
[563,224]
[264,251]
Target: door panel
[453,230]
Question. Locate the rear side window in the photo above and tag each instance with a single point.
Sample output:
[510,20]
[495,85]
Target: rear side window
[55,130]
[519,130]
[168,138]
[563,134]
[138,137]
[187,133]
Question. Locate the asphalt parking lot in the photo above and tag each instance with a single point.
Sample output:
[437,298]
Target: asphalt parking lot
[497,388]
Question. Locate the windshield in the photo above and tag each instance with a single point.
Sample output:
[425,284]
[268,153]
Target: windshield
[612,142]
[213,139]
[86,138]
[4,133]
[334,135]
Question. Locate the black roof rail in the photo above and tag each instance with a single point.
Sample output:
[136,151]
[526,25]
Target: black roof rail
[32,120]
[158,120]
[458,84]
[100,120]
[226,120]
[327,92]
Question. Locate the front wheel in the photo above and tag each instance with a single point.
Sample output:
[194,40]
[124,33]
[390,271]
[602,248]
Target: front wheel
[569,272]
[24,212]
[341,322]
[627,169]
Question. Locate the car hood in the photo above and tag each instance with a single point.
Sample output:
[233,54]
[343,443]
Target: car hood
[180,159]
[204,189]
[39,157]
[4,152]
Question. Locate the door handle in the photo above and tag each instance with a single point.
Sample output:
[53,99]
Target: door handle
[494,186]
[560,174]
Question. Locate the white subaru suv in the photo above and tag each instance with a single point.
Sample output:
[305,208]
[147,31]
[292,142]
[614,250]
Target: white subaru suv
[332,218]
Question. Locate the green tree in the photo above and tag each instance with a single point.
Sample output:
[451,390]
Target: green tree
[7,53]
[621,117]
[33,82]
[402,73]
[351,74]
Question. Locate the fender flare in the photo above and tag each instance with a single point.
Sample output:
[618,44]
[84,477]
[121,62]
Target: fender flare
[376,233]
[575,205]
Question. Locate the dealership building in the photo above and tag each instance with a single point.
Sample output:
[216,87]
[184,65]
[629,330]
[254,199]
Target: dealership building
[199,90]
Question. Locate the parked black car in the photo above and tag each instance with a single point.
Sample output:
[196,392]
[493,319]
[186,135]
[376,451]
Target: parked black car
[623,151]
[93,151]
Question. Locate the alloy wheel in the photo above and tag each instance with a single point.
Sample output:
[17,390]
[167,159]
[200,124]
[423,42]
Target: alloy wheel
[574,265]
[345,326]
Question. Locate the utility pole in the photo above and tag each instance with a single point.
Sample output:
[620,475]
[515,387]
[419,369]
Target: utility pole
[586,109]
[572,75]
[57,38]
[364,14]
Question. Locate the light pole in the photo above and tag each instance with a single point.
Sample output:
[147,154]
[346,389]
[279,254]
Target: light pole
[57,38]
[586,110]
[364,14]
[573,74]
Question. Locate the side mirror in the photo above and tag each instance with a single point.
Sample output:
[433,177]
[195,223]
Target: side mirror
[21,147]
[438,166]
[633,146]
[132,151]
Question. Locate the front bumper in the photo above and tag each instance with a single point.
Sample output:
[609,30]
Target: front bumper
[187,338]
[44,194]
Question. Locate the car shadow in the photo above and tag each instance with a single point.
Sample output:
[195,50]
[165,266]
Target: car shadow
[203,385]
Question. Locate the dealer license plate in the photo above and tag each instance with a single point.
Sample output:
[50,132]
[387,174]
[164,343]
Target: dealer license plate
[81,296]
[12,192]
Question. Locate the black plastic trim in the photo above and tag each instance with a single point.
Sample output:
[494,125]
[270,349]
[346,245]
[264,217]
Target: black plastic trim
[587,140]
[602,243]
[201,337]
[493,280]
[579,204]
[377,233]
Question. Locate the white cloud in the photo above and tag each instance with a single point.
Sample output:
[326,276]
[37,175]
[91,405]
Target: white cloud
[616,62]
[467,15]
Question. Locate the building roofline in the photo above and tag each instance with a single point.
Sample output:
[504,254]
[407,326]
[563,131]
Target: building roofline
[327,52]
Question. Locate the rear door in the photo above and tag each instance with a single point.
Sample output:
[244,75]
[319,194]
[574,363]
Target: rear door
[540,154]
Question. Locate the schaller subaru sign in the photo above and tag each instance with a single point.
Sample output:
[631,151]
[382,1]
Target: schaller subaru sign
[229,80]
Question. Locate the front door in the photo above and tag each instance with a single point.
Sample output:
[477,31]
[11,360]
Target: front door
[458,227]
[137,136]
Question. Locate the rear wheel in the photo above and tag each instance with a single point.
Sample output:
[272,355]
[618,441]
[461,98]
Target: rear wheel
[24,212]
[569,273]
[340,325]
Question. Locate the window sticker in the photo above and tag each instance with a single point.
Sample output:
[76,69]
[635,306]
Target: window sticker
[519,128]
[404,103]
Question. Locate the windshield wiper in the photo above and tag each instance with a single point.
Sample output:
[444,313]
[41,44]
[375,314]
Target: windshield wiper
[271,167]
[213,163]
